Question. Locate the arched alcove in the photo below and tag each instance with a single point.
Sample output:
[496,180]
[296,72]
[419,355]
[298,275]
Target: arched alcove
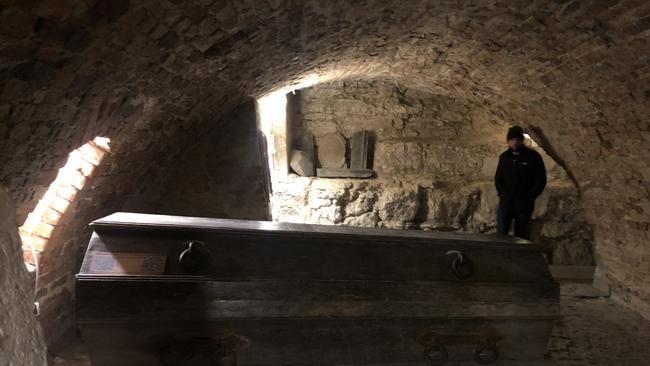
[431,161]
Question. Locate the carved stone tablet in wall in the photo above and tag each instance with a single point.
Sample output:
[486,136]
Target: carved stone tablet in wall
[331,150]
[359,150]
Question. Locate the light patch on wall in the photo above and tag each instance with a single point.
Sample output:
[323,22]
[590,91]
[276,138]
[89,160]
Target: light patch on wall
[272,109]
[529,141]
[40,223]
[302,83]
[273,116]
[273,106]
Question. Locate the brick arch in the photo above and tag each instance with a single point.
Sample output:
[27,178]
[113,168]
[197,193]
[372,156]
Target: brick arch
[153,75]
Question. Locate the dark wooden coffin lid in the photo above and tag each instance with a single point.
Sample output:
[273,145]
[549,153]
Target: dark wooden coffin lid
[136,221]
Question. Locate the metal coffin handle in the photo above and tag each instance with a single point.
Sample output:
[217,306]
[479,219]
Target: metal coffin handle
[182,352]
[226,357]
[486,353]
[195,258]
[461,266]
[437,354]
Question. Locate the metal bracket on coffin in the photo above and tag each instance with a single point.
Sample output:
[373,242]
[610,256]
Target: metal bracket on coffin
[437,347]
[196,258]
[198,351]
[460,265]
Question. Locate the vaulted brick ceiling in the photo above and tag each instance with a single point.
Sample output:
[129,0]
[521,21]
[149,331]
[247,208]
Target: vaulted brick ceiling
[153,74]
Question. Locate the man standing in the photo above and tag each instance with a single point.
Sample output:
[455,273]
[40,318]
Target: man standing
[519,179]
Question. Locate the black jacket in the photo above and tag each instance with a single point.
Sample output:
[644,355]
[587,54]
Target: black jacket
[520,178]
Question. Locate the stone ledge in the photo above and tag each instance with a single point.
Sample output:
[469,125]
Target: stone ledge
[343,173]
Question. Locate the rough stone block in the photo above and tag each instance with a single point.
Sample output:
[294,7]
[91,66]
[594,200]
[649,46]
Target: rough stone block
[451,209]
[51,217]
[306,144]
[399,205]
[59,204]
[33,241]
[489,167]
[43,230]
[301,163]
[361,204]
[368,219]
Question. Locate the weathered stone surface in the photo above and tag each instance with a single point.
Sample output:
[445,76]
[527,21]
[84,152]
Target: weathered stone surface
[452,209]
[566,229]
[290,199]
[21,339]
[331,150]
[301,163]
[16,23]
[489,167]
[485,218]
[368,219]
[558,220]
[396,158]
[360,203]
[398,208]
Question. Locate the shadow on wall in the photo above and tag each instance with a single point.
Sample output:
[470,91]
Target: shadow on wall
[220,174]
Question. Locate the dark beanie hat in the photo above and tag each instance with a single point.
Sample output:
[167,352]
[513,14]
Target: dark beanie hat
[515,132]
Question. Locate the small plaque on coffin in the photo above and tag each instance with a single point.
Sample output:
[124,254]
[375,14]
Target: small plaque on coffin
[127,263]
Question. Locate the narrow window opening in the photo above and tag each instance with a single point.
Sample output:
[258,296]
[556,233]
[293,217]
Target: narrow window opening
[37,229]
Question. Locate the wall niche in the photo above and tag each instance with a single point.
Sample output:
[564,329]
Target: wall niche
[430,163]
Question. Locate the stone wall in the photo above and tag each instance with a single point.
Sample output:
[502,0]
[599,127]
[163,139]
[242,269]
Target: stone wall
[21,339]
[434,159]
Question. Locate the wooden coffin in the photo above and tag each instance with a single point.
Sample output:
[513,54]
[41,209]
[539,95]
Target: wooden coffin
[179,291]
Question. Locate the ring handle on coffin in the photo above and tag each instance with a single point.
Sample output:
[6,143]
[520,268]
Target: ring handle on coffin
[226,357]
[461,266]
[437,354]
[200,350]
[486,353]
[195,258]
